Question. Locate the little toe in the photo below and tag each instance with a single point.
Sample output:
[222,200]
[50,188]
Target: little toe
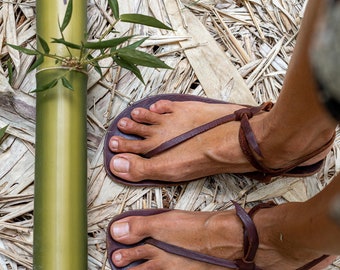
[162,106]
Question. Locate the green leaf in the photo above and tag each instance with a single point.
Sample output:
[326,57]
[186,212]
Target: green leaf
[46,86]
[66,43]
[3,132]
[44,44]
[95,64]
[141,58]
[66,83]
[98,69]
[24,50]
[38,61]
[68,15]
[129,66]
[144,20]
[136,44]
[106,43]
[115,8]
[9,71]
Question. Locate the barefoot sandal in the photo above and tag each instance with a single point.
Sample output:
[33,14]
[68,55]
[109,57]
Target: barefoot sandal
[247,141]
[250,242]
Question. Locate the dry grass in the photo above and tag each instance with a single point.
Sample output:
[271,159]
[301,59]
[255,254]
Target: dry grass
[257,38]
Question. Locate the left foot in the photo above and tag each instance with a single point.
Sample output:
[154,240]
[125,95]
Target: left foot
[212,152]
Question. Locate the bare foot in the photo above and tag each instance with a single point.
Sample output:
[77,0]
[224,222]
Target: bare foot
[212,152]
[218,234]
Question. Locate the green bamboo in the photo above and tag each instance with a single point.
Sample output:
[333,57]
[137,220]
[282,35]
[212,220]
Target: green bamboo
[60,223]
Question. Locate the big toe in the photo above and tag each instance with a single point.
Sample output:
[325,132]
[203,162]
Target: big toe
[130,167]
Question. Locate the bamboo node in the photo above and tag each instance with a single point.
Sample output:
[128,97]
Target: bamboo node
[69,68]
[71,62]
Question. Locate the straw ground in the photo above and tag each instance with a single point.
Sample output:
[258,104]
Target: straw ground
[231,50]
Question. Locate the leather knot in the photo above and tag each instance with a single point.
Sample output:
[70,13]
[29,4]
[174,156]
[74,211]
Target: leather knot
[243,112]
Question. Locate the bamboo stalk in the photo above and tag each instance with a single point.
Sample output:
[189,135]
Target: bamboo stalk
[60,222]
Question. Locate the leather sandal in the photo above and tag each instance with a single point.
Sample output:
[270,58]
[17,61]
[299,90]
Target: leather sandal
[247,141]
[250,243]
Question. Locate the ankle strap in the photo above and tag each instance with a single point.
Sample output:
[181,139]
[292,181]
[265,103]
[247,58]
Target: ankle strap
[250,236]
[251,239]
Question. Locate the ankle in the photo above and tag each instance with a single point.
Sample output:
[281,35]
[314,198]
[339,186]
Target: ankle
[283,145]
[275,240]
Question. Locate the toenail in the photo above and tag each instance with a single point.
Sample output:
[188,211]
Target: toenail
[117,257]
[135,112]
[120,229]
[114,144]
[123,123]
[121,165]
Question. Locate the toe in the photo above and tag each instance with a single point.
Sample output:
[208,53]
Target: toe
[145,116]
[114,144]
[129,167]
[135,168]
[162,106]
[122,145]
[120,166]
[130,230]
[125,257]
[130,126]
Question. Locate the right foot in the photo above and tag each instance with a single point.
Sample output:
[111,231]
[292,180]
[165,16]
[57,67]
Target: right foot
[218,234]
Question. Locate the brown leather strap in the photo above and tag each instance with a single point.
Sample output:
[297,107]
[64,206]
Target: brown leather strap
[243,115]
[248,112]
[313,263]
[188,135]
[194,255]
[252,152]
[251,239]
[251,243]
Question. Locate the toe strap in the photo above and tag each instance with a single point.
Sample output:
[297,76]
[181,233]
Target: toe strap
[197,256]
[245,113]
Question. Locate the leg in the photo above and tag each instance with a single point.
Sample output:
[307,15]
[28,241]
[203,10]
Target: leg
[289,234]
[218,150]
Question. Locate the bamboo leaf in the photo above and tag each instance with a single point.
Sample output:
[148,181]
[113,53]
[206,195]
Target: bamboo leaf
[106,43]
[44,44]
[66,83]
[68,15]
[46,86]
[115,8]
[144,20]
[93,62]
[38,61]
[133,68]
[9,71]
[136,44]
[24,50]
[141,58]
[98,69]
[3,132]
[66,43]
